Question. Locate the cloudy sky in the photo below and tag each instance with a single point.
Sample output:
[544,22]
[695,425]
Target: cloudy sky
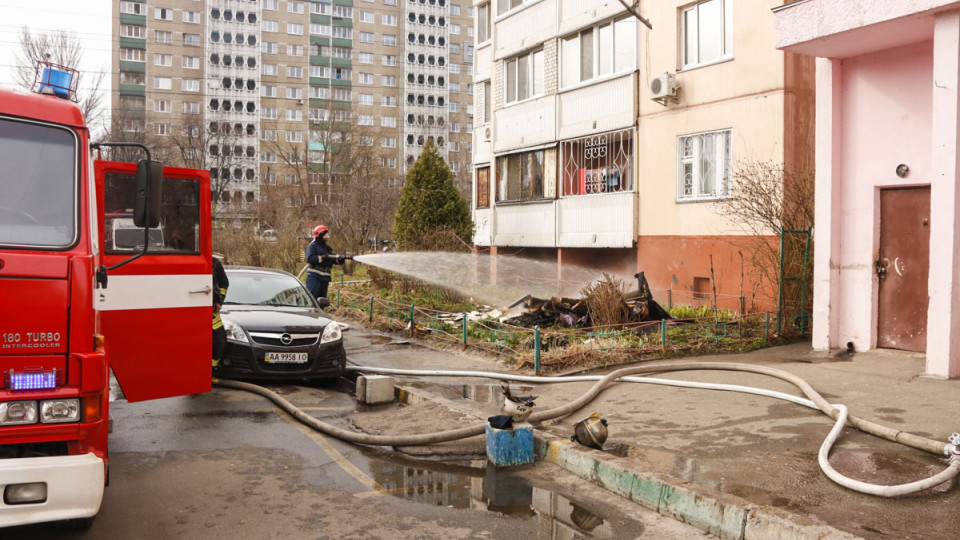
[89,20]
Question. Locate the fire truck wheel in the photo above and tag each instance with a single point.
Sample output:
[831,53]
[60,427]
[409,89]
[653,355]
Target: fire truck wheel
[78,524]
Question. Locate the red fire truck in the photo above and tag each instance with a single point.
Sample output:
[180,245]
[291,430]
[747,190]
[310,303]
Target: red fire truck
[74,306]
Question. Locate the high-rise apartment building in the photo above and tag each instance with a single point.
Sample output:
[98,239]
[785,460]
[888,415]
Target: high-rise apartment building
[270,92]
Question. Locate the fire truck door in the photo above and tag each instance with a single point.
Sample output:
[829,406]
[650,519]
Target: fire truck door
[155,311]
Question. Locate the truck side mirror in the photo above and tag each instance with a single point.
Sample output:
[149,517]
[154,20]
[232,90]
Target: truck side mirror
[148,190]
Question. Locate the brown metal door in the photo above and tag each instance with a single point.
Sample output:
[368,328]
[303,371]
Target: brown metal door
[902,268]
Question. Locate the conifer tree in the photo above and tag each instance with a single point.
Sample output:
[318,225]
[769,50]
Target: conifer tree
[431,213]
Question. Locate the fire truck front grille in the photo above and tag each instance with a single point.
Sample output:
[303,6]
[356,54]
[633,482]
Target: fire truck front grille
[26,450]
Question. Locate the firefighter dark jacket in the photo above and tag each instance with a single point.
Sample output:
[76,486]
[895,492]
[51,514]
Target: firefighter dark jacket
[321,259]
[220,282]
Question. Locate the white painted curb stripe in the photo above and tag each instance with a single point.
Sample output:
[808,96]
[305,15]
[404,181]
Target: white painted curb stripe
[155,292]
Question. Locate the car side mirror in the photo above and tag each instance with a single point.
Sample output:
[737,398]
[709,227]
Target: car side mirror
[324,302]
[148,186]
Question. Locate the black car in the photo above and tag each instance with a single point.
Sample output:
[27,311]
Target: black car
[276,329]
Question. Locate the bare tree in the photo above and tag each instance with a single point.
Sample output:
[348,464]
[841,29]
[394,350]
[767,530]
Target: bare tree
[767,198]
[62,48]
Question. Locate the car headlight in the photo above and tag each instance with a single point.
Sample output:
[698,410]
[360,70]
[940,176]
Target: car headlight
[54,411]
[234,332]
[331,333]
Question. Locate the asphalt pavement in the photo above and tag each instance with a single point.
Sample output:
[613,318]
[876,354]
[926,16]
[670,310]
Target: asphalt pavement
[732,464]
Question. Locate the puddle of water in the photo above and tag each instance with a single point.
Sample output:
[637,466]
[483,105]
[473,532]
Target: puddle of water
[476,486]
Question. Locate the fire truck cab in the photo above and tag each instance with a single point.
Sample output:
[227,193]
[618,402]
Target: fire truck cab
[75,308]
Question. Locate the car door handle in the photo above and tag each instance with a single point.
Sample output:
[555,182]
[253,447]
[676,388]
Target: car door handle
[206,290]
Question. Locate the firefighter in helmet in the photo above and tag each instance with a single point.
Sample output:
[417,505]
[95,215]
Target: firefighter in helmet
[220,284]
[320,258]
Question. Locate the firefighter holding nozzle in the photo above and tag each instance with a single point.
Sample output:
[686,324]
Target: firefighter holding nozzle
[320,258]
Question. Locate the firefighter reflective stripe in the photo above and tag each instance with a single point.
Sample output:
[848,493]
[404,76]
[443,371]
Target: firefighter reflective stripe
[153,292]
[223,292]
[319,272]
[217,321]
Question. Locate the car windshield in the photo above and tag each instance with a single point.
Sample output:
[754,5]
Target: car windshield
[262,289]
[38,184]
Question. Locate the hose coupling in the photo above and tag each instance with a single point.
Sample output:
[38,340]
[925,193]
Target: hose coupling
[953,449]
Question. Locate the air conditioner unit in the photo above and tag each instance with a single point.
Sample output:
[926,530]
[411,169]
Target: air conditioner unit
[664,88]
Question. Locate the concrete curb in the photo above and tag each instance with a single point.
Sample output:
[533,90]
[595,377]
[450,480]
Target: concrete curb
[720,514]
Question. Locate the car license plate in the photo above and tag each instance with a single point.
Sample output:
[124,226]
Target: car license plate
[286,358]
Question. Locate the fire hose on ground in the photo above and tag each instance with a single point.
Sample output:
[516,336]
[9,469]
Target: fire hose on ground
[814,401]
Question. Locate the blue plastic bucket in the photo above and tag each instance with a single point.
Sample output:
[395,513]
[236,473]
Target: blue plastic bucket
[58,81]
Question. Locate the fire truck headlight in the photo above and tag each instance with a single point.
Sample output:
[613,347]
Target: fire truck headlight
[18,412]
[53,411]
[331,333]
[234,332]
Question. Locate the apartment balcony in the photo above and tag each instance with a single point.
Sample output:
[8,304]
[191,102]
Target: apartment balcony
[525,124]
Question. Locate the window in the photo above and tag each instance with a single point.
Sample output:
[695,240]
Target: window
[268,134]
[469,89]
[483,186]
[343,32]
[340,94]
[389,2]
[454,10]
[163,14]
[320,29]
[268,113]
[343,12]
[295,72]
[454,146]
[454,29]
[294,7]
[483,23]
[388,101]
[190,85]
[365,120]
[191,62]
[270,26]
[268,48]
[468,52]
[504,6]
[133,8]
[487,102]
[364,99]
[161,105]
[294,93]
[294,50]
[365,58]
[133,55]
[272,5]
[598,51]
[319,93]
[454,127]
[131,77]
[388,121]
[390,41]
[268,157]
[524,77]
[294,115]
[320,71]
[520,176]
[295,29]
[366,37]
[164,60]
[342,73]
[268,91]
[365,78]
[454,107]
[388,80]
[454,87]
[162,37]
[388,142]
[703,166]
[454,48]
[163,129]
[388,162]
[191,40]
[388,20]
[389,60]
[600,163]
[707,33]
[190,107]
[454,68]
[294,136]
[366,17]
[192,17]
[268,69]
[129,30]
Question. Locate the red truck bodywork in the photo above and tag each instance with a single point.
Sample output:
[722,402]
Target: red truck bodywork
[149,324]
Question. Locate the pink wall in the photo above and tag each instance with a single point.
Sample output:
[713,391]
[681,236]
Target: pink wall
[885,119]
